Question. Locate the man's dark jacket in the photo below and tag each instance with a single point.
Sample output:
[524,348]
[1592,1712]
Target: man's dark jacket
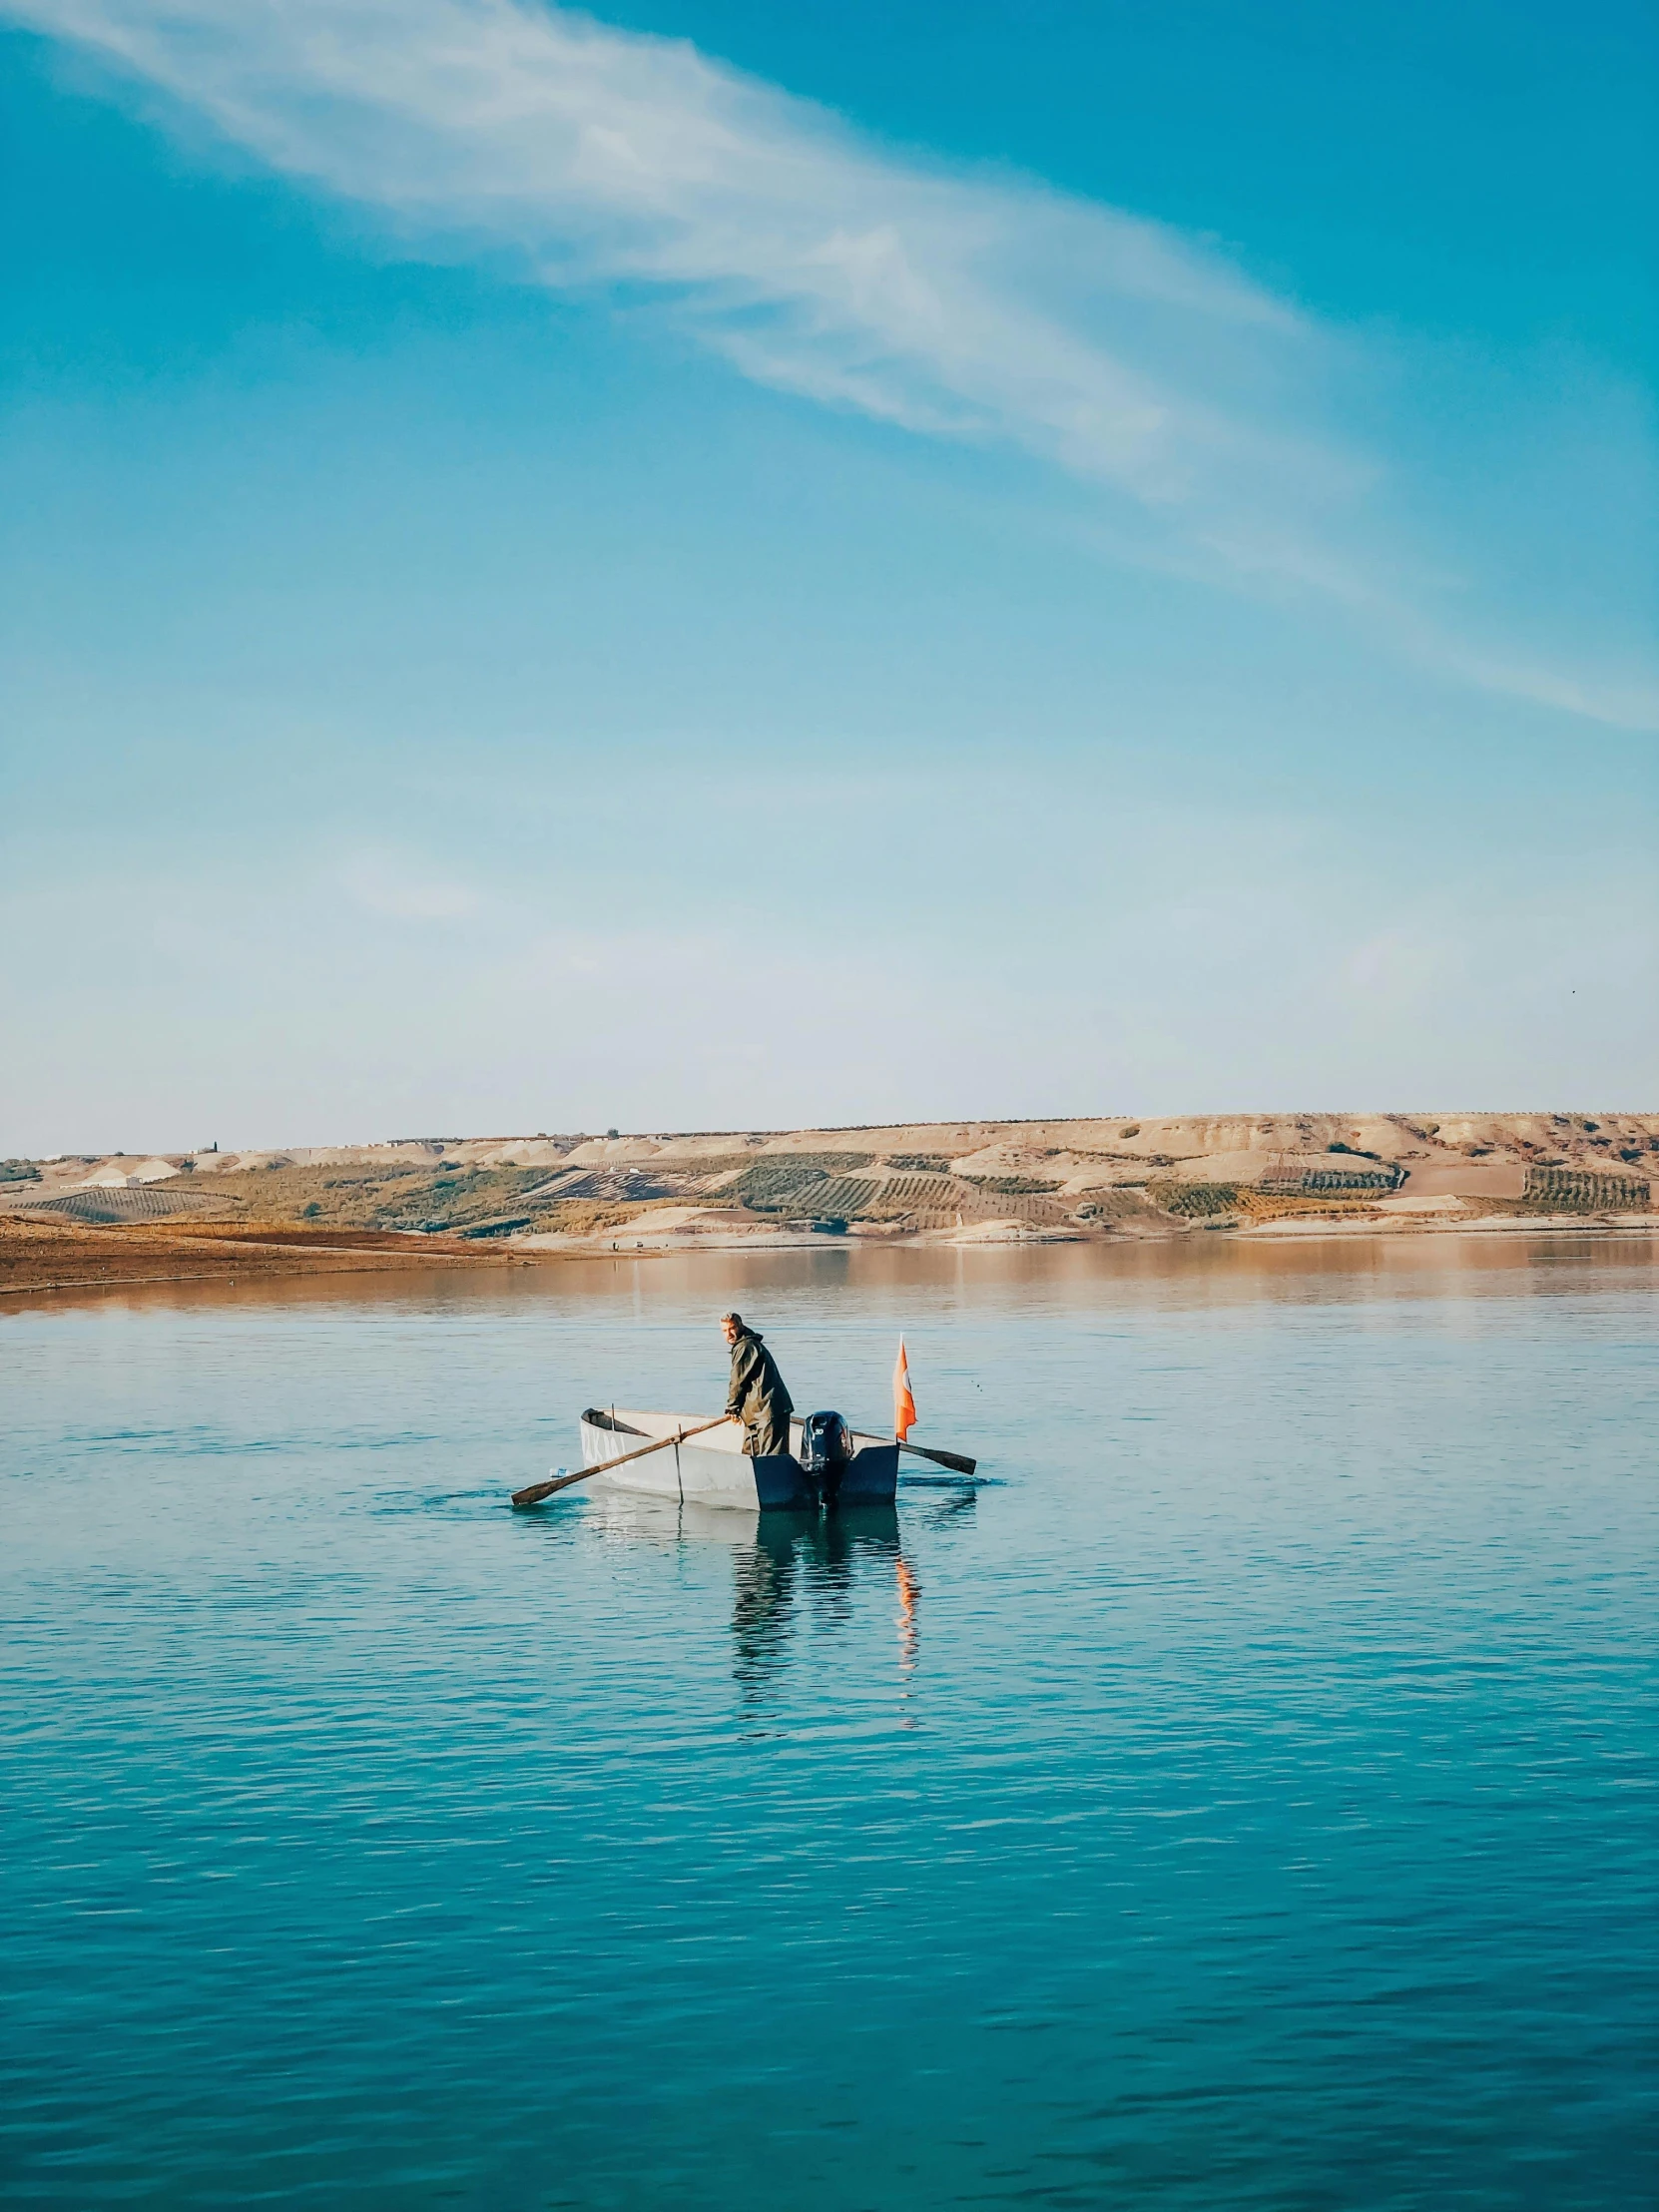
[758,1395]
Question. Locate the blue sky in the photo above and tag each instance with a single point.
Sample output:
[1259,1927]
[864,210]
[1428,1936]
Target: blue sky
[725,566]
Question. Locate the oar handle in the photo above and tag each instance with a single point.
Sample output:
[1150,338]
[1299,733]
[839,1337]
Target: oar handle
[538,1490]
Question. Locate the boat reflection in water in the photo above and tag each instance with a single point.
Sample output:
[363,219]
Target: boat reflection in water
[787,1569]
[811,1563]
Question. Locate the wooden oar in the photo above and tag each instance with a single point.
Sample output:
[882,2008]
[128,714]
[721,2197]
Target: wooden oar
[538,1490]
[955,1460]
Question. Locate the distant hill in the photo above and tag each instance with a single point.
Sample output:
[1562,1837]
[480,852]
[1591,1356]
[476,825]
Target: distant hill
[940,1182]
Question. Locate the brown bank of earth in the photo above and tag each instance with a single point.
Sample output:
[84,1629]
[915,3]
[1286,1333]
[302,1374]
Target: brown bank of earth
[40,1255]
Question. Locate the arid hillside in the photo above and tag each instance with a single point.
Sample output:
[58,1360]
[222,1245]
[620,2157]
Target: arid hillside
[484,1199]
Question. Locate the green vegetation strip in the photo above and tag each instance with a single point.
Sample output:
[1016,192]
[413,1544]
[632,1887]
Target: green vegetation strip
[1332,1179]
[1014,1185]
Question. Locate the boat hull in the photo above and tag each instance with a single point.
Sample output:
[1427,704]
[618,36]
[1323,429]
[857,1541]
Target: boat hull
[714,1471]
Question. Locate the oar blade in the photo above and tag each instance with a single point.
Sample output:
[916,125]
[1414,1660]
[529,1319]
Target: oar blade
[958,1461]
[538,1490]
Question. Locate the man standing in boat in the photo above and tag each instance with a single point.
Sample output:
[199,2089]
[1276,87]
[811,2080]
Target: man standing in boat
[757,1397]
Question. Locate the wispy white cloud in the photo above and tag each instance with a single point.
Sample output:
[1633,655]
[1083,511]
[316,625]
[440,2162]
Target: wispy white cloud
[955,306]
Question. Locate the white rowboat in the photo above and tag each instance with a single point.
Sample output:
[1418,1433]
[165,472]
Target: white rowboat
[712,1470]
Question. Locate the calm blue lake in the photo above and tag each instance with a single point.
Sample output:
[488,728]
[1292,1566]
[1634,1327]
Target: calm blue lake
[1244,1798]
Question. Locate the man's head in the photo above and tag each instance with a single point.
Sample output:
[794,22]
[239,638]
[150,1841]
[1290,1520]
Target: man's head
[731,1326]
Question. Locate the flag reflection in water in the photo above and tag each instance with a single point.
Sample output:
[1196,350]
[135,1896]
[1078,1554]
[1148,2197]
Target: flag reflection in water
[909,1590]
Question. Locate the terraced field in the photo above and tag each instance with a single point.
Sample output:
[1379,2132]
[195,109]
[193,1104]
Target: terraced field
[792,1184]
[1195,1200]
[925,1201]
[1215,1201]
[146,1202]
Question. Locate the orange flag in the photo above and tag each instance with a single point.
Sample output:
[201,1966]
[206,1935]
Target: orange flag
[903,1405]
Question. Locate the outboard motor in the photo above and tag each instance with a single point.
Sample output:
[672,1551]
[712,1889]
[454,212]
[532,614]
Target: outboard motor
[825,1447]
